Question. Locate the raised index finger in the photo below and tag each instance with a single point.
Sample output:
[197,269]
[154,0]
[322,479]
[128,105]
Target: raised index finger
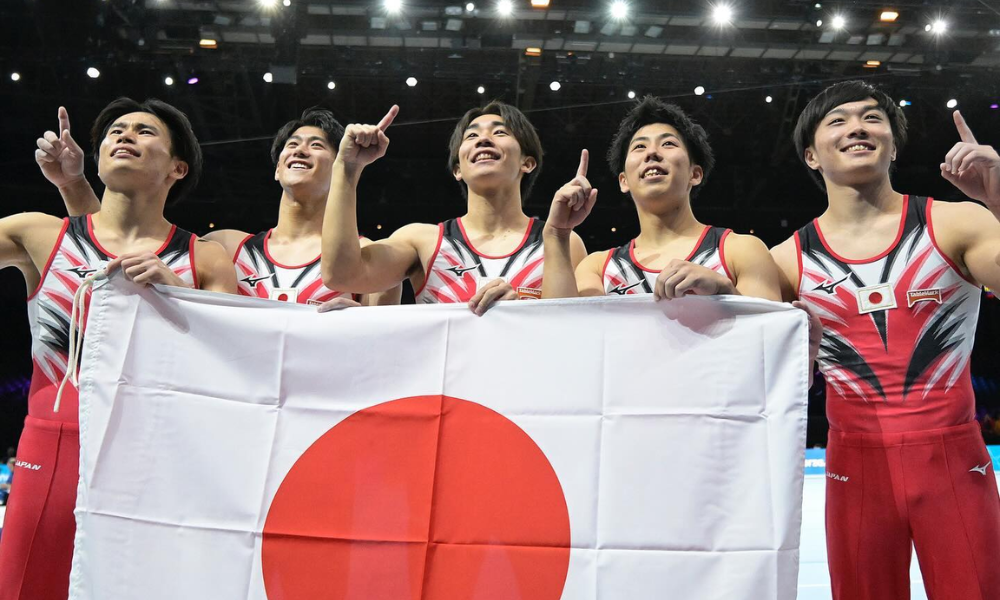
[63,120]
[963,128]
[388,118]
[584,163]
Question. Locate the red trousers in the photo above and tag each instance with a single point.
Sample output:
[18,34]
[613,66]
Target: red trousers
[36,548]
[933,489]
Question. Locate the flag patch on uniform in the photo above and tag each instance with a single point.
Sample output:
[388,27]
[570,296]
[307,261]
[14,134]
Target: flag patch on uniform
[875,297]
[928,295]
[528,293]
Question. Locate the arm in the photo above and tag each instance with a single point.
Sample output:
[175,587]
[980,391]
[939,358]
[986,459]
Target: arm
[752,266]
[26,241]
[564,250]
[215,267]
[229,239]
[589,275]
[389,297]
[966,232]
[345,265]
[788,269]
[61,160]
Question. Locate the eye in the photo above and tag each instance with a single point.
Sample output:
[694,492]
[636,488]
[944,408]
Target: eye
[149,131]
[669,143]
[500,132]
[318,145]
[875,116]
[835,121]
[470,135]
[639,147]
[114,131]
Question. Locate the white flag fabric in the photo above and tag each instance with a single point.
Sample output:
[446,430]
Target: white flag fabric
[585,449]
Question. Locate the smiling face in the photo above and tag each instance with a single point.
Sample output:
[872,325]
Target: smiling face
[853,144]
[490,156]
[305,160]
[657,166]
[136,151]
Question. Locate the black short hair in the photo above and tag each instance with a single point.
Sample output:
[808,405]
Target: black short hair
[311,117]
[832,97]
[519,125]
[650,110]
[183,142]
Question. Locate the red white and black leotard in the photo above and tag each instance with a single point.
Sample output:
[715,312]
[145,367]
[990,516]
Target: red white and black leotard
[457,269]
[623,274]
[258,274]
[906,464]
[37,544]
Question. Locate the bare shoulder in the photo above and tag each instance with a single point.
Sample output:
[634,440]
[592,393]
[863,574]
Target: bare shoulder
[785,252]
[418,235]
[960,216]
[744,244]
[595,261]
[35,231]
[230,239]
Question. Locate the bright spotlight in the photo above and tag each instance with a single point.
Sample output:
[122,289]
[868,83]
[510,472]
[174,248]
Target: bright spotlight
[192,80]
[505,8]
[698,91]
[904,103]
[952,103]
[15,76]
[619,9]
[839,22]
[480,90]
[722,14]
[331,85]
[819,22]
[631,95]
[554,86]
[768,99]
[393,6]
[470,7]
[168,80]
[286,2]
[268,3]
[93,73]
[268,77]
[888,16]
[411,81]
[939,26]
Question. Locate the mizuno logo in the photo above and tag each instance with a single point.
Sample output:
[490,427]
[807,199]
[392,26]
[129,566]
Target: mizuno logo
[836,477]
[27,465]
[251,280]
[81,272]
[621,290]
[981,470]
[457,270]
[830,287]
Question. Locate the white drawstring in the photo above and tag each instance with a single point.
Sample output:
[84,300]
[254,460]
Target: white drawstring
[76,334]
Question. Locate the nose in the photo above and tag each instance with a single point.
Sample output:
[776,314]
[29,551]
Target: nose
[652,153]
[484,140]
[126,136]
[859,128]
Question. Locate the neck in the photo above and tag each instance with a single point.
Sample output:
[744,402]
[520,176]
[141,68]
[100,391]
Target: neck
[132,215]
[658,229]
[495,210]
[299,216]
[860,203]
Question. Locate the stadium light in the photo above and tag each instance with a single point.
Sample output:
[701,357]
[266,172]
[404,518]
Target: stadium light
[698,91]
[839,22]
[619,9]
[93,73]
[722,14]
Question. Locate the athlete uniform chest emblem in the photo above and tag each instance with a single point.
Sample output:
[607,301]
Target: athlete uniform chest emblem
[461,270]
[875,297]
[252,280]
[929,295]
[830,287]
[621,290]
[81,272]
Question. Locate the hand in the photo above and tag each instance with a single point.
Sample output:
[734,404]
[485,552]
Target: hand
[337,304]
[573,201]
[490,294]
[145,268]
[973,168]
[59,156]
[364,144]
[682,277]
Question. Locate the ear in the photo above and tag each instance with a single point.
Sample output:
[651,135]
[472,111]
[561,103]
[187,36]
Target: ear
[457,172]
[697,175]
[892,157]
[275,172]
[810,157]
[180,170]
[623,183]
[528,165]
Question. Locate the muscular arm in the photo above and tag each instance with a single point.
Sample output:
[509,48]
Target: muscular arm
[79,198]
[755,272]
[970,236]
[26,241]
[589,275]
[229,239]
[60,159]
[564,252]
[215,267]
[784,255]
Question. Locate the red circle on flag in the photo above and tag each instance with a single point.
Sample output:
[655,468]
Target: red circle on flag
[422,498]
[283,297]
[875,297]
